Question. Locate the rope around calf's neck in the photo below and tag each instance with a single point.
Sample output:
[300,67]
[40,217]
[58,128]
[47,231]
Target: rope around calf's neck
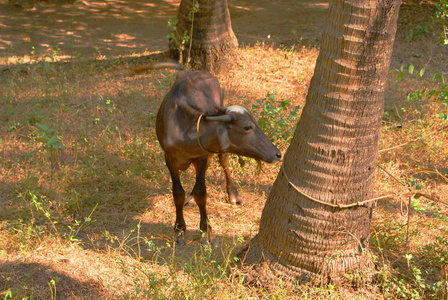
[199,141]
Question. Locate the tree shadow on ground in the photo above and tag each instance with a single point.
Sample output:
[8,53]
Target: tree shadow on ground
[279,22]
[120,195]
[95,29]
[86,28]
[20,280]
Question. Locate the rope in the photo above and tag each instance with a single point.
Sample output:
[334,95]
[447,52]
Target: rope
[412,141]
[359,203]
[199,141]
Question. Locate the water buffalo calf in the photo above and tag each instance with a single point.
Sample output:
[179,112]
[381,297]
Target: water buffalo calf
[192,125]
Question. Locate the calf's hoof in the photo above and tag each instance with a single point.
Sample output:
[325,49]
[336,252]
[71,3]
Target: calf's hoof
[210,242]
[235,200]
[179,236]
[180,241]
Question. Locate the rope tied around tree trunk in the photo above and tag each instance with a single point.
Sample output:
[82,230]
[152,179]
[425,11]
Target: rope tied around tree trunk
[359,203]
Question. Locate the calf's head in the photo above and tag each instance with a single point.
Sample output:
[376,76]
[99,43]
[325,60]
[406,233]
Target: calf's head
[238,133]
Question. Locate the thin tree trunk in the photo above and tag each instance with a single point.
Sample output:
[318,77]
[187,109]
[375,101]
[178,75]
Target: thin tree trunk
[332,157]
[204,34]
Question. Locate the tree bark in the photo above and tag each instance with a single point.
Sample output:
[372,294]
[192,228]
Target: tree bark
[332,157]
[203,37]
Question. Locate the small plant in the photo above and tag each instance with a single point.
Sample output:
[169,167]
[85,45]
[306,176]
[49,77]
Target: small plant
[182,38]
[423,29]
[52,287]
[44,61]
[48,137]
[277,119]
[74,229]
[411,70]
[438,94]
[43,207]
[111,106]
[200,277]
[442,18]
[51,143]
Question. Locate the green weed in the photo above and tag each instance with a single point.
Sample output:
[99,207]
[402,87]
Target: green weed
[106,123]
[203,276]
[51,143]
[44,61]
[183,39]
[442,18]
[277,119]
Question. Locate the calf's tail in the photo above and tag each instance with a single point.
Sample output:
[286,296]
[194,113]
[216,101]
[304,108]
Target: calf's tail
[158,65]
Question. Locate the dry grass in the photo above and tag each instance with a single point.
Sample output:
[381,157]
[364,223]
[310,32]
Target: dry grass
[94,220]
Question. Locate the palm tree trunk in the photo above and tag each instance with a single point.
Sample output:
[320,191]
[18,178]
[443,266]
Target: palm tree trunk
[204,34]
[332,157]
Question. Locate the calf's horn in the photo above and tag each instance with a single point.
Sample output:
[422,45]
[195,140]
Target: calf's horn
[223,118]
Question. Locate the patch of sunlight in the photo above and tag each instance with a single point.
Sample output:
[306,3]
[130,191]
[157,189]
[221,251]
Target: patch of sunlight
[319,5]
[124,37]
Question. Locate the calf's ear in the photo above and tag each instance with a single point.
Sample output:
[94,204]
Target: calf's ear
[223,137]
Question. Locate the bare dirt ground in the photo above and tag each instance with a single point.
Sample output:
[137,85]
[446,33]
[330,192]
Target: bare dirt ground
[105,30]
[99,29]
[94,29]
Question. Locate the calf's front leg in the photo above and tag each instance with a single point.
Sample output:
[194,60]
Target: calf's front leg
[180,226]
[230,185]
[200,196]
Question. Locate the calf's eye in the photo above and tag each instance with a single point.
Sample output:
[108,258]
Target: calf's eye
[247,128]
